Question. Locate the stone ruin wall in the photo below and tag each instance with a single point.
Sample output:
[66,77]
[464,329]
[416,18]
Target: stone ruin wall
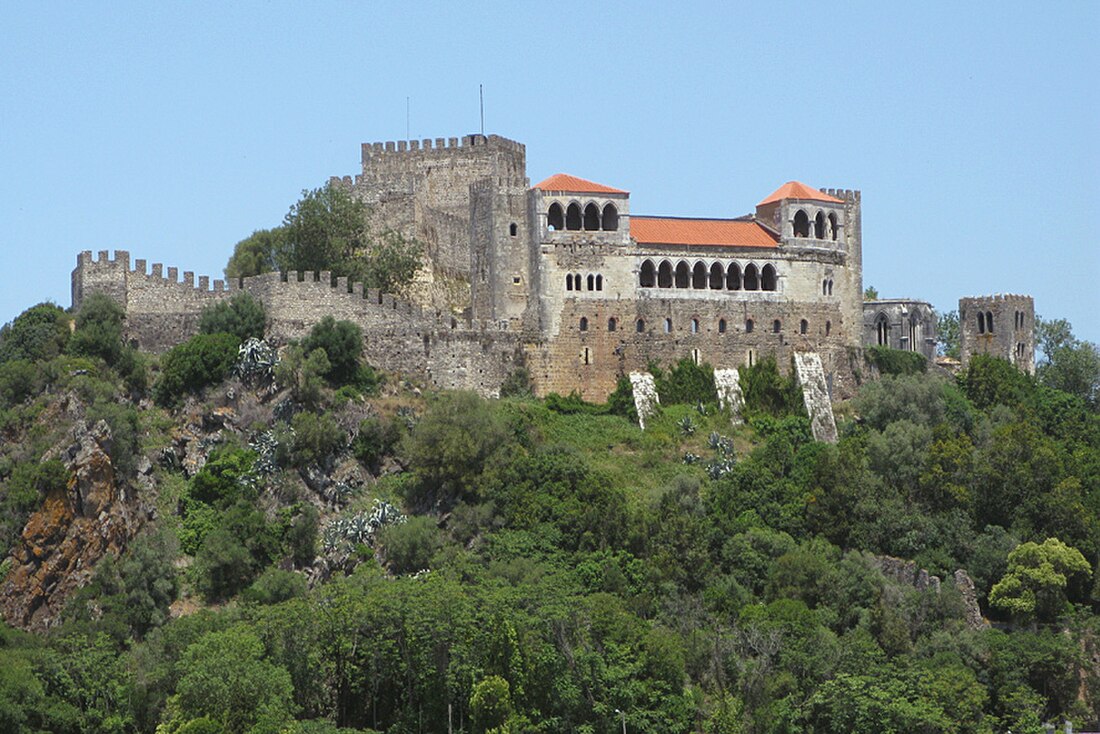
[398,336]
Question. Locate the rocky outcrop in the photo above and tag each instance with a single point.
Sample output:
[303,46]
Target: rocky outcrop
[907,573]
[973,613]
[73,529]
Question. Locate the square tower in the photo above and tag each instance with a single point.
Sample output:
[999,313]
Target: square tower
[1001,326]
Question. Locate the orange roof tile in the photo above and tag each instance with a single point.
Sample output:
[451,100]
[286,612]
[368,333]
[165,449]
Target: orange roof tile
[565,182]
[713,232]
[796,190]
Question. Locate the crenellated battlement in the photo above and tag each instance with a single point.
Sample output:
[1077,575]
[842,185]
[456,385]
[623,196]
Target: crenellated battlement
[997,298]
[428,145]
[845,194]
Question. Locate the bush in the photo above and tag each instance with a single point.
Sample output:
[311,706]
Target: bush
[342,342]
[40,333]
[376,439]
[409,547]
[686,383]
[275,586]
[766,391]
[242,315]
[303,373]
[18,381]
[896,361]
[517,384]
[223,566]
[990,381]
[200,361]
[621,401]
[573,404]
[316,437]
[98,329]
[125,433]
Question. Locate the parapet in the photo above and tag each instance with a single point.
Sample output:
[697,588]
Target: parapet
[997,297]
[845,194]
[446,146]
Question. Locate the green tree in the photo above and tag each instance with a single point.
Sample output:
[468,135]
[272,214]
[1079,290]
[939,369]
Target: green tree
[490,704]
[390,262]
[342,342]
[324,230]
[1068,364]
[947,334]
[303,373]
[449,446]
[226,678]
[38,334]
[870,293]
[199,362]
[242,315]
[1034,587]
[99,329]
[256,253]
[990,381]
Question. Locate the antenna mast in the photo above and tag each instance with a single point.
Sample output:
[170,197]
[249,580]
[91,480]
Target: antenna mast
[481,93]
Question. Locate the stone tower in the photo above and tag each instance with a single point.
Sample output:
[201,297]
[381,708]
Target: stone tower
[1001,326]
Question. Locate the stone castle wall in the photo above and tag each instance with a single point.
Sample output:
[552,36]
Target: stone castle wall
[399,336]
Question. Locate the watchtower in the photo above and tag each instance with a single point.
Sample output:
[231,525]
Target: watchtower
[1002,326]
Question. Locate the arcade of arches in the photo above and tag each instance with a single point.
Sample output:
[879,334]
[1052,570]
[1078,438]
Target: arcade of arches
[575,219]
[717,277]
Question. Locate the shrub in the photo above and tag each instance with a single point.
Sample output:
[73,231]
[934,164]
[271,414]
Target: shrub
[517,384]
[223,566]
[991,381]
[125,432]
[342,342]
[767,391]
[98,329]
[18,381]
[316,437]
[38,334]
[896,361]
[686,382]
[303,373]
[621,400]
[200,361]
[410,546]
[242,315]
[573,404]
[276,585]
[376,438]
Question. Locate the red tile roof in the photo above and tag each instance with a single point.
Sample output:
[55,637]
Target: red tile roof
[713,232]
[796,190]
[572,184]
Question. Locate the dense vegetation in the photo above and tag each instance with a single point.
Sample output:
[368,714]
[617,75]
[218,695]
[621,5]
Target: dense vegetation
[542,565]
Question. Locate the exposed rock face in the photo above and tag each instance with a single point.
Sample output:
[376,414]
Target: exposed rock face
[973,612]
[646,399]
[906,572]
[728,384]
[815,393]
[75,527]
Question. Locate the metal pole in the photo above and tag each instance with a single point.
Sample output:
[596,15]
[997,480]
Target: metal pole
[481,95]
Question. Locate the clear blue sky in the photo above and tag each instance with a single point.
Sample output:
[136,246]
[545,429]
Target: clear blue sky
[174,130]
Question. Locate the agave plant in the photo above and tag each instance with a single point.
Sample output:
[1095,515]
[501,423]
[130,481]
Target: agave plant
[687,425]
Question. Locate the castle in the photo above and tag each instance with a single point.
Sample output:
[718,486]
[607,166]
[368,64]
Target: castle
[562,279]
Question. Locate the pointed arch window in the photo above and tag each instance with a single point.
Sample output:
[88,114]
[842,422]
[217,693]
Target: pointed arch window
[647,278]
[733,277]
[699,276]
[591,217]
[752,280]
[801,224]
[683,275]
[664,275]
[768,278]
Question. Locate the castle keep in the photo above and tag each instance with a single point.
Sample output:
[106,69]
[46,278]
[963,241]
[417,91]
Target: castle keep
[560,278]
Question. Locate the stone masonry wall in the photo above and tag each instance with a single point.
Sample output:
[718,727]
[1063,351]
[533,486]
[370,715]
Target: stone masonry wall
[1011,335]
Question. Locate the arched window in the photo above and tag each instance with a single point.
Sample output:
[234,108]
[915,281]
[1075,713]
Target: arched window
[989,321]
[717,277]
[599,282]
[695,326]
[825,287]
[612,324]
[819,226]
[749,326]
[832,227]
[733,277]
[610,218]
[555,219]
[777,326]
[513,229]
[683,275]
[752,282]
[573,217]
[584,324]
[591,217]
[981,322]
[767,278]
[882,330]
[828,327]
[648,277]
[569,282]
[639,325]
[721,326]
[803,326]
[591,282]
[801,224]
[699,276]
[668,326]
[830,286]
[664,275]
